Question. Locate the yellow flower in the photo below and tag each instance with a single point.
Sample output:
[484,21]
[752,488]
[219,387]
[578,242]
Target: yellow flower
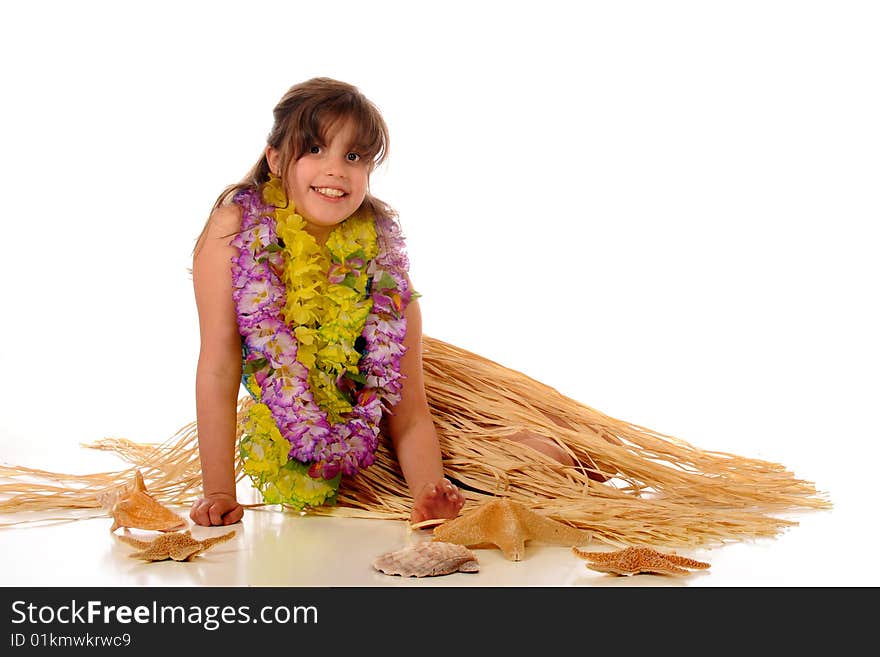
[287,214]
[262,444]
[326,319]
[357,234]
[300,313]
[294,486]
[342,296]
[331,358]
[307,345]
[328,396]
[273,192]
[250,382]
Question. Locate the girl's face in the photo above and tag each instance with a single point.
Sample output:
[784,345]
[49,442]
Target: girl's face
[328,183]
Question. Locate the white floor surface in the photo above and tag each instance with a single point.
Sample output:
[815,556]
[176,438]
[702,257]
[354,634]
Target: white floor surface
[275,548]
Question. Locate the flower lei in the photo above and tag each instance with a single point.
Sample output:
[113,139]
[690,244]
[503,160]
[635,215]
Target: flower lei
[322,340]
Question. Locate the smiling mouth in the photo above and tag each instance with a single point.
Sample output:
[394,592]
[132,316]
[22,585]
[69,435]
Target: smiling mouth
[329,192]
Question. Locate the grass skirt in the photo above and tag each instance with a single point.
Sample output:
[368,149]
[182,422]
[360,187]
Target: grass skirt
[660,490]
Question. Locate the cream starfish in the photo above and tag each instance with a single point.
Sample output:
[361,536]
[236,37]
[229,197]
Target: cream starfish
[180,546]
[507,525]
[634,560]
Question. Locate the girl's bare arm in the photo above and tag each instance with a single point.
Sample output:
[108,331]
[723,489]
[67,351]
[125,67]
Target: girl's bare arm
[414,436]
[218,374]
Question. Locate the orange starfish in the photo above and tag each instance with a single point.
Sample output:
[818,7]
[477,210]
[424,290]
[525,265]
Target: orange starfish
[507,525]
[635,560]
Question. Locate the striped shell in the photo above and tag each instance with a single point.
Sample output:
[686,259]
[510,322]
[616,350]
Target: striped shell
[428,559]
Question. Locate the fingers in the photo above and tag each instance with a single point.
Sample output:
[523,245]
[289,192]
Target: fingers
[198,513]
[233,516]
[210,513]
[451,493]
[440,500]
[215,514]
[444,495]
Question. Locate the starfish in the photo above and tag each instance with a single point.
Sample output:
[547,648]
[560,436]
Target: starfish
[180,546]
[635,560]
[507,525]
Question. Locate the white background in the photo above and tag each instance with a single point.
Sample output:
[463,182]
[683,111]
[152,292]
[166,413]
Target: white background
[666,210]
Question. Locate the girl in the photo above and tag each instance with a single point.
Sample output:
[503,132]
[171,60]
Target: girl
[303,295]
[313,178]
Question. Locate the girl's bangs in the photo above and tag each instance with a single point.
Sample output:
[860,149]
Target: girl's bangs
[370,138]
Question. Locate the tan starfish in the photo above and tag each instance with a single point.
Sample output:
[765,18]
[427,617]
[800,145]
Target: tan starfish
[180,546]
[507,525]
[635,560]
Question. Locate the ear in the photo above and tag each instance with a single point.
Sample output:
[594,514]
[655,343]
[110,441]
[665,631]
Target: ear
[273,157]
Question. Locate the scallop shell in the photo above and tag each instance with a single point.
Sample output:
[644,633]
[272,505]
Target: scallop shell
[137,509]
[427,559]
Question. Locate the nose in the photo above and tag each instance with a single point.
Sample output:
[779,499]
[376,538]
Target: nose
[335,166]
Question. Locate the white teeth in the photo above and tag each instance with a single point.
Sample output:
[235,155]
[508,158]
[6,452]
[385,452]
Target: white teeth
[328,191]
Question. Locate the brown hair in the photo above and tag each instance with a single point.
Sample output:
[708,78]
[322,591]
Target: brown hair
[303,117]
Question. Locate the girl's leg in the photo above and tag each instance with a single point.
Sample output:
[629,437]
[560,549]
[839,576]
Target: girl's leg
[550,448]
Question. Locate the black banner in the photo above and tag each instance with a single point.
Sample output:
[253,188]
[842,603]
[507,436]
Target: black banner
[400,620]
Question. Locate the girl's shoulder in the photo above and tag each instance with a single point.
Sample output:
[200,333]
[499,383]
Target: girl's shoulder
[225,218]
[223,223]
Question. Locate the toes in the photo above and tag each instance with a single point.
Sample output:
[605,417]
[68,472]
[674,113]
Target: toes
[453,497]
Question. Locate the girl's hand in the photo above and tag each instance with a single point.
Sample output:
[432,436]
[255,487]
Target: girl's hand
[216,509]
[440,500]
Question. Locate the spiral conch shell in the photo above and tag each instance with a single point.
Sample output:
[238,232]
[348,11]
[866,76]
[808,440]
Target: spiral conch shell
[137,509]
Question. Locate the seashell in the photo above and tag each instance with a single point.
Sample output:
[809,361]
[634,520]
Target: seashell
[137,509]
[427,559]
